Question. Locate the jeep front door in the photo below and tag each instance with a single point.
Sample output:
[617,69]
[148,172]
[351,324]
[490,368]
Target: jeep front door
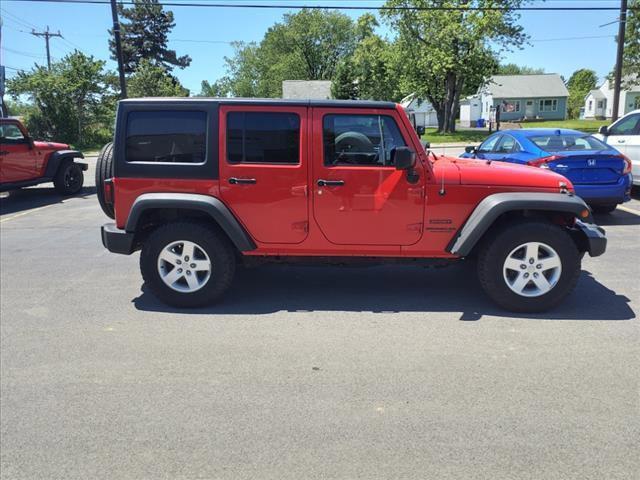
[263,170]
[17,158]
[359,198]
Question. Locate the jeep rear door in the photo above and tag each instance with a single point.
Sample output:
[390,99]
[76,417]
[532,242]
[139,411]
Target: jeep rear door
[359,198]
[263,170]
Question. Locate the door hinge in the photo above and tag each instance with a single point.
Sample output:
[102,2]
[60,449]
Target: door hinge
[303,226]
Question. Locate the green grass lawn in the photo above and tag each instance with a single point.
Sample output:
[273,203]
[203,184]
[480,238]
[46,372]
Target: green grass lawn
[460,136]
[475,136]
[587,126]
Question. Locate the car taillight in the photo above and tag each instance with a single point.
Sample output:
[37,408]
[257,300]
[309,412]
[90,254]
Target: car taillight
[542,162]
[627,164]
[108,191]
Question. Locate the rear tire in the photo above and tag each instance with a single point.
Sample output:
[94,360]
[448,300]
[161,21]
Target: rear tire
[603,208]
[187,264]
[104,171]
[69,178]
[505,266]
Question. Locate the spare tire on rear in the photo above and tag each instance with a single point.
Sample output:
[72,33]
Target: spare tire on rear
[104,171]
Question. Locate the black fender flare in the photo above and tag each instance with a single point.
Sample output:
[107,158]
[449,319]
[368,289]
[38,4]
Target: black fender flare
[212,206]
[58,157]
[489,209]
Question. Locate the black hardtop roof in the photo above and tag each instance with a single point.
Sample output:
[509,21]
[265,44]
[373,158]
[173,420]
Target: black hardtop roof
[260,101]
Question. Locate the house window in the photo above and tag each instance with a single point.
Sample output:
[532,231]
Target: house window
[548,105]
[590,104]
[510,106]
[600,104]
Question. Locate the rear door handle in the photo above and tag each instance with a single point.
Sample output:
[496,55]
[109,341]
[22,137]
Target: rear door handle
[621,141]
[4,152]
[242,181]
[330,183]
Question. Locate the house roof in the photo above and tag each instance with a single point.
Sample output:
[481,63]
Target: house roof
[597,94]
[526,86]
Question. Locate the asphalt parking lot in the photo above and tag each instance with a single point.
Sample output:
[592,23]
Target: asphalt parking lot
[303,373]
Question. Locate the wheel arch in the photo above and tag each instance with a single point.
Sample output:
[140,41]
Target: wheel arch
[497,209]
[149,209]
[59,157]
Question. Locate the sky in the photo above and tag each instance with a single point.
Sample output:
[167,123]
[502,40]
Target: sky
[557,38]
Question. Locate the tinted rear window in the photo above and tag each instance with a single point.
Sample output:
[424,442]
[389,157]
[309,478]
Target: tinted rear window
[173,136]
[557,143]
[257,137]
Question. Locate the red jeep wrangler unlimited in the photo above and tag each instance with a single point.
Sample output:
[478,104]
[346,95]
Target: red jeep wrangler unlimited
[25,162]
[201,185]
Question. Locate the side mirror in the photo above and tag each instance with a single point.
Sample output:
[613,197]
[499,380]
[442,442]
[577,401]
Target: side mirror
[425,144]
[470,149]
[420,130]
[404,158]
[603,130]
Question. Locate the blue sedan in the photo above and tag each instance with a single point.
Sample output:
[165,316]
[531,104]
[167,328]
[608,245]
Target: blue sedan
[600,174]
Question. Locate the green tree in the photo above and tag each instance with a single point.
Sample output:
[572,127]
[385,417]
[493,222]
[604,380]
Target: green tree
[307,45]
[145,28]
[579,85]
[72,102]
[513,69]
[631,57]
[448,53]
[151,80]
[219,88]
[370,72]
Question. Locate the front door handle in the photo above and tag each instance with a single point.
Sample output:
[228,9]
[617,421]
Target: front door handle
[621,141]
[4,152]
[330,183]
[242,181]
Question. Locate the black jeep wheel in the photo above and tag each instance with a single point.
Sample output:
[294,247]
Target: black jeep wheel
[187,264]
[528,267]
[104,171]
[69,178]
[603,208]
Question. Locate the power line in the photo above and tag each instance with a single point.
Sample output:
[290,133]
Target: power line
[24,54]
[339,7]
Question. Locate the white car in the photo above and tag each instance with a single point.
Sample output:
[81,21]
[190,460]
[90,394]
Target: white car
[624,135]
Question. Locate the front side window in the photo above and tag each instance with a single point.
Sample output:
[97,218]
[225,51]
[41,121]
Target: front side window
[173,136]
[10,133]
[360,140]
[557,143]
[488,145]
[626,126]
[549,105]
[263,137]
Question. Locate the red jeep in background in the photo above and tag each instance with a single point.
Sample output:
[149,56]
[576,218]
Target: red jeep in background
[25,162]
[201,185]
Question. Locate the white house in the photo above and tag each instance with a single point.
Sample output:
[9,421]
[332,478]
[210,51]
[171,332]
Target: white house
[306,89]
[420,111]
[521,97]
[470,111]
[599,102]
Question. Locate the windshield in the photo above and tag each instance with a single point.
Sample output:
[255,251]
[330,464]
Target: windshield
[557,143]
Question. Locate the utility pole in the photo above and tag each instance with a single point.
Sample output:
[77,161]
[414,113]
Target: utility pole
[116,36]
[47,35]
[618,73]
[3,108]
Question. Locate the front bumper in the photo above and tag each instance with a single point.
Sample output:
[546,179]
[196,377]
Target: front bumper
[116,240]
[592,238]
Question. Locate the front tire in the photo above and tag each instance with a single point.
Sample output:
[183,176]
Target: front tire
[528,267]
[69,178]
[187,264]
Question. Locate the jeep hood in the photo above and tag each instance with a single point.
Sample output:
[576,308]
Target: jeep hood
[479,172]
[40,145]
